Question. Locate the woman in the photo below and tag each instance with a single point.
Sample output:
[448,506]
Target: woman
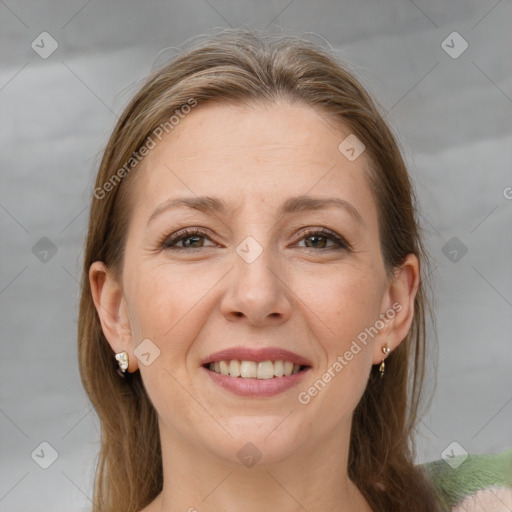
[252,270]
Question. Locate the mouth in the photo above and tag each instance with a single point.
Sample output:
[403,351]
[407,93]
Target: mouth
[255,380]
[259,370]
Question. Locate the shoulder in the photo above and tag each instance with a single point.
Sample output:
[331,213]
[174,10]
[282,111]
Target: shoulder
[471,482]
[495,499]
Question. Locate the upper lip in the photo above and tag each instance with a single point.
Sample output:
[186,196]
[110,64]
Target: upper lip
[257,355]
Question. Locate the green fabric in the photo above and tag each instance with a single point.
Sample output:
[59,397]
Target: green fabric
[475,473]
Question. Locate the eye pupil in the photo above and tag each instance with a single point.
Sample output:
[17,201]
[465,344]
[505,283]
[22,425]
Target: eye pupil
[186,240]
[315,237]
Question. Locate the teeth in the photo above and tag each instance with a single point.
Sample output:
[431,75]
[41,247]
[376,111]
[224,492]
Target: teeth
[253,370]
[279,368]
[234,368]
[248,369]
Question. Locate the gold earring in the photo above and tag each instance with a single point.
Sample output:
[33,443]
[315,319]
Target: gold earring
[122,361]
[382,366]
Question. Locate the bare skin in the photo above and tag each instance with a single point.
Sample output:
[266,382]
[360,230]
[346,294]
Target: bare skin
[302,293]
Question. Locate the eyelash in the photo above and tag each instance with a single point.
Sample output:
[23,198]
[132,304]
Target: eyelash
[168,242]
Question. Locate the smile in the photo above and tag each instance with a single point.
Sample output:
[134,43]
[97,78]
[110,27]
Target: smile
[255,379]
[255,370]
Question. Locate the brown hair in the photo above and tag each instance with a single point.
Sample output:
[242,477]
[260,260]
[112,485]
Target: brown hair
[242,66]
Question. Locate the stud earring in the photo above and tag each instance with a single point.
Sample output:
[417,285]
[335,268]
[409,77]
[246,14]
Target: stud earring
[382,366]
[122,361]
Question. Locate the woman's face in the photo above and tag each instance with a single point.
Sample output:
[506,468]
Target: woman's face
[258,276]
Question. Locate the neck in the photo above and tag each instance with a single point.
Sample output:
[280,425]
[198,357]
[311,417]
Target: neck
[313,479]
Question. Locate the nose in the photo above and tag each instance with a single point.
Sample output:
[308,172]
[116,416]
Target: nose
[257,292]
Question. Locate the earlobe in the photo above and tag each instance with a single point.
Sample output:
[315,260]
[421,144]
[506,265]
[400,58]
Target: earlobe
[107,296]
[400,298]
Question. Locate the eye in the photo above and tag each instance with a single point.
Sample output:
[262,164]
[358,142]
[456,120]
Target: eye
[192,239]
[319,238]
[189,236]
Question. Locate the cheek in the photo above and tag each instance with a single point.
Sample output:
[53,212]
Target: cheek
[159,295]
[346,300]
[346,304]
[168,306]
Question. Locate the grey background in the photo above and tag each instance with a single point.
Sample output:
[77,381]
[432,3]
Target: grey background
[452,116]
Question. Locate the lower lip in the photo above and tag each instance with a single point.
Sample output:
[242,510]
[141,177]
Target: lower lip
[256,388]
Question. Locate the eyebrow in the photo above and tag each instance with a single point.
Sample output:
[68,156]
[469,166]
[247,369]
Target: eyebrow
[215,205]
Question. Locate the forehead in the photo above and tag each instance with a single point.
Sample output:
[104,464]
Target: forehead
[257,154]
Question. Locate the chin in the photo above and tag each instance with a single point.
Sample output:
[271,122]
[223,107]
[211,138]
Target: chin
[264,446]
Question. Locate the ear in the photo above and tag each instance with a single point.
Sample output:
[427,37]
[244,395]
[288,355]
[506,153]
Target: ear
[398,306]
[112,310]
